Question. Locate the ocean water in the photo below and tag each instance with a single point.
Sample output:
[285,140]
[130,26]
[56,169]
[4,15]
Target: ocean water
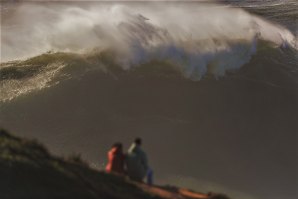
[211,87]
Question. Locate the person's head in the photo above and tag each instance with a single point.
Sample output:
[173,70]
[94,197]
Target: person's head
[138,141]
[118,145]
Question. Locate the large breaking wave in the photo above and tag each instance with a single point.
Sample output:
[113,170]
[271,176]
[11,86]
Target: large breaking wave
[194,39]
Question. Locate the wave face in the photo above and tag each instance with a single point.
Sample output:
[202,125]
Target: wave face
[49,69]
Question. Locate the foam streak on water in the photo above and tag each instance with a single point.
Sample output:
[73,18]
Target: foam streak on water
[13,87]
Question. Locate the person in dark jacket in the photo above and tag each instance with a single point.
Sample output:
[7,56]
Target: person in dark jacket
[116,159]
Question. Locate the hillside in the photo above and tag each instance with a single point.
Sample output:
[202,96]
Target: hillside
[28,170]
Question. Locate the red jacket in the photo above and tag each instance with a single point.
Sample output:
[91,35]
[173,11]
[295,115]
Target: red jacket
[115,161]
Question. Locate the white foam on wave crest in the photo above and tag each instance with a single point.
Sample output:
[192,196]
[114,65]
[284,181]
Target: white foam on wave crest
[197,38]
[12,88]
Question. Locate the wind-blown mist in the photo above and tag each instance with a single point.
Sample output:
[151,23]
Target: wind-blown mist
[200,39]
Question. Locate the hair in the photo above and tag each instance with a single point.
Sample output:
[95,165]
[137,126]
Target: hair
[118,145]
[138,141]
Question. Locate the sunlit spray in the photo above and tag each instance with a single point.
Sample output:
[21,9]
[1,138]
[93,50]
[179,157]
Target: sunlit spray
[197,38]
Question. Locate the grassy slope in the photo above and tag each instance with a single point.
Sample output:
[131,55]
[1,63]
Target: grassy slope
[27,170]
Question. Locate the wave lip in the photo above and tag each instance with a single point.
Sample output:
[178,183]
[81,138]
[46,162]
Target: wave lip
[124,27]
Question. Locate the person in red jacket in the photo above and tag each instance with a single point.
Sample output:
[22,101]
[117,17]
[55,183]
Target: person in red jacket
[116,159]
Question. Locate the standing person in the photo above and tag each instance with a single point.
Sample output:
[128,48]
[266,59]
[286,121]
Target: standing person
[116,159]
[137,163]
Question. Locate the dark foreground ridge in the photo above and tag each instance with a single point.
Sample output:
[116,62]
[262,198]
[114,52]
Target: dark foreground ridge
[28,170]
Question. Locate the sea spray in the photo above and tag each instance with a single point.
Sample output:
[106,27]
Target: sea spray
[199,38]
